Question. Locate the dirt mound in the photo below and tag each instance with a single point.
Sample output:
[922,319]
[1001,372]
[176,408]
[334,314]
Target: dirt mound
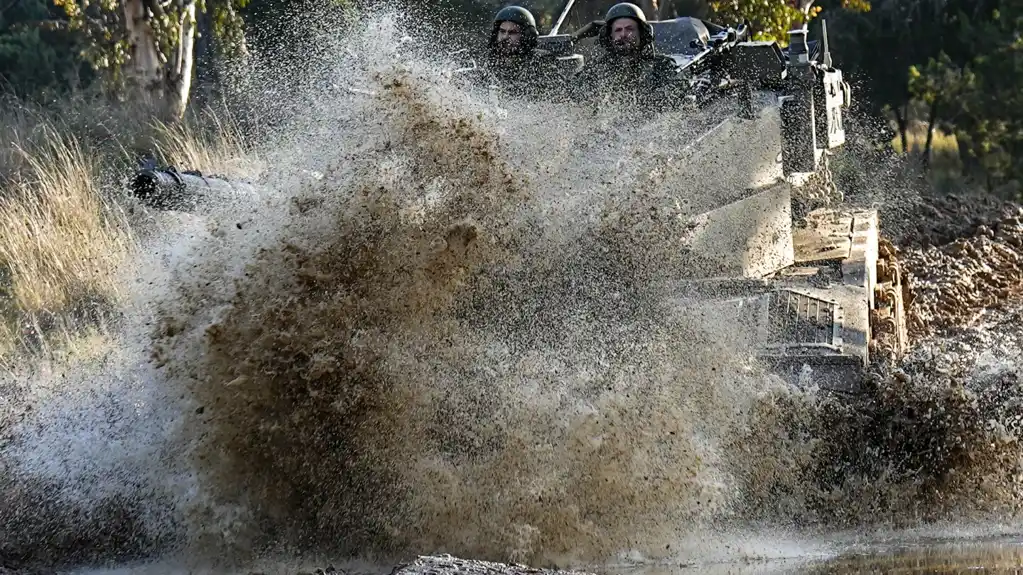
[937,220]
[965,257]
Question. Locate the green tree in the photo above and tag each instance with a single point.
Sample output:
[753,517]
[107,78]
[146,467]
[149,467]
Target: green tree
[772,20]
[975,85]
[145,48]
[876,49]
[941,85]
[34,61]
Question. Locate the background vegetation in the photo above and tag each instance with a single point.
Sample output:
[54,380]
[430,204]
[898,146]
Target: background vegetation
[948,70]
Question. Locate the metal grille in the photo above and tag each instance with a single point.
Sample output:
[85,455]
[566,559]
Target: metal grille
[798,321]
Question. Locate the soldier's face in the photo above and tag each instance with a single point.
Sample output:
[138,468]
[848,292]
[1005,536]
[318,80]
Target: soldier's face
[509,37]
[625,34]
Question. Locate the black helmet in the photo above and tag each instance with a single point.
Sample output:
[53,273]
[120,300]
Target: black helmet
[626,10]
[524,18]
[516,14]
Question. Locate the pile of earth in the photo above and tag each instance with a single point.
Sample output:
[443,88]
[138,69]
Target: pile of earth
[962,255]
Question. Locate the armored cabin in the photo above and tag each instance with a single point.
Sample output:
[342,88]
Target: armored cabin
[813,297]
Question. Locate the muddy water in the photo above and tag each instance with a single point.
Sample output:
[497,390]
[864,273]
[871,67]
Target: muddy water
[905,554]
[1003,556]
[457,340]
[984,549]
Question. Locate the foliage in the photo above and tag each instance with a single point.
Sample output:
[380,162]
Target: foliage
[34,61]
[972,84]
[773,20]
[952,65]
[104,30]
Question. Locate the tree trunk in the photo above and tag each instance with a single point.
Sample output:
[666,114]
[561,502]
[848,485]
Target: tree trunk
[164,80]
[180,76]
[207,75]
[143,72]
[932,118]
[972,167]
[903,123]
[650,8]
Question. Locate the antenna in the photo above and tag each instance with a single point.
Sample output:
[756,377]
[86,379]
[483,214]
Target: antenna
[826,56]
[561,18]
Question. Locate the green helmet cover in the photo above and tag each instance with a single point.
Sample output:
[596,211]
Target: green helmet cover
[625,10]
[522,17]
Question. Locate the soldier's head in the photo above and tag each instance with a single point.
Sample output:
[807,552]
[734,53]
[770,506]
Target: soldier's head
[626,30]
[514,32]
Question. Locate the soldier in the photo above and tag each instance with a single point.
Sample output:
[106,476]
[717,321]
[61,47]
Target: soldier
[513,62]
[628,69]
[514,34]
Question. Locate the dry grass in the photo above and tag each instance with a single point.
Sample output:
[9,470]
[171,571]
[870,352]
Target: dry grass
[105,131]
[944,172]
[117,135]
[66,223]
[218,148]
[944,147]
[62,244]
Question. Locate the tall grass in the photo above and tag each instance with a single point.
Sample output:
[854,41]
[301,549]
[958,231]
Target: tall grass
[217,147]
[62,242]
[66,223]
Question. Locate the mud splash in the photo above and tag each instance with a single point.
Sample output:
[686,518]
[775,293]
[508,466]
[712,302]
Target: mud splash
[459,340]
[437,348]
[90,466]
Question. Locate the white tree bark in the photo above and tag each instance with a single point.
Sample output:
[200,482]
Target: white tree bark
[163,79]
[180,79]
[144,66]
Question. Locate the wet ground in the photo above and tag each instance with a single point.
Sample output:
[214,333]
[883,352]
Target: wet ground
[946,550]
[1002,555]
[915,553]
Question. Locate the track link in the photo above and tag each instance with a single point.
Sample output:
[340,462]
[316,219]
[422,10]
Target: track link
[889,340]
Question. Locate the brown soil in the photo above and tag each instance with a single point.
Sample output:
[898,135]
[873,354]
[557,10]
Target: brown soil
[962,255]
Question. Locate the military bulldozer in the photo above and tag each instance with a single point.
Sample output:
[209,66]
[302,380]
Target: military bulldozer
[808,281]
[811,282]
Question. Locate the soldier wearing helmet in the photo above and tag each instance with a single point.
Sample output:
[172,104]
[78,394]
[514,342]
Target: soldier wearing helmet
[513,61]
[628,66]
[514,33]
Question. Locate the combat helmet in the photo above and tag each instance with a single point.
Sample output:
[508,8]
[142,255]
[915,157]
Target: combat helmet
[627,10]
[524,18]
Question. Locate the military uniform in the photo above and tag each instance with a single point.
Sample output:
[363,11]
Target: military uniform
[534,76]
[643,80]
[529,73]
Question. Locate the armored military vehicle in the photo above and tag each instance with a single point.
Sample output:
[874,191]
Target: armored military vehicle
[811,281]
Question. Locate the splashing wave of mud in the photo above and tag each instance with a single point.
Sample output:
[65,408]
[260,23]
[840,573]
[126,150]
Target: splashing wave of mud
[460,339]
[437,348]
